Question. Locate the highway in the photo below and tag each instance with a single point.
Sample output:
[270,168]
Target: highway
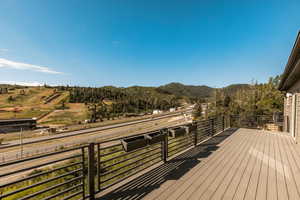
[26,141]
[51,143]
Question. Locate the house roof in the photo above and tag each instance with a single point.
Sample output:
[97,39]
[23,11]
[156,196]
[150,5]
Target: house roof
[291,73]
[17,120]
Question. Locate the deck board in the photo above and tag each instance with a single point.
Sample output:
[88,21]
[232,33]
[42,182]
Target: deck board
[293,178]
[223,185]
[281,176]
[256,170]
[246,174]
[205,175]
[262,184]
[173,191]
[213,188]
[272,192]
[206,189]
[249,164]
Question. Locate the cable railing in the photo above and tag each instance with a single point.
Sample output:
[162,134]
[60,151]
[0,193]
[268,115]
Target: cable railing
[256,121]
[83,171]
[57,175]
[121,158]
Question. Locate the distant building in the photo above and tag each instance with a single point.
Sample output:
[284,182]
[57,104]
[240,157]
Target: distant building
[13,125]
[155,112]
[172,109]
[290,83]
[204,106]
[192,106]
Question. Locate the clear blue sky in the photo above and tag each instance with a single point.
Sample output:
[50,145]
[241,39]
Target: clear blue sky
[145,42]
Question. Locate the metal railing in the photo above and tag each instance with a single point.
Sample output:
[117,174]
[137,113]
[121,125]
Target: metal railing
[82,172]
[54,175]
[114,164]
[255,121]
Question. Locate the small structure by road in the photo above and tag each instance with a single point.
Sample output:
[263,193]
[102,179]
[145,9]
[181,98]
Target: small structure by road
[13,125]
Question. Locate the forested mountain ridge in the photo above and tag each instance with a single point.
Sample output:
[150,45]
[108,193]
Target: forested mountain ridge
[181,90]
[201,91]
[234,88]
[172,90]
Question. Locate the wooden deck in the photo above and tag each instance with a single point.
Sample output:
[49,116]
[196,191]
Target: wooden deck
[237,164]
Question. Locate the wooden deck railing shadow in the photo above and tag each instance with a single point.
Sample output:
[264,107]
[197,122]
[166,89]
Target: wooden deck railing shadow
[171,170]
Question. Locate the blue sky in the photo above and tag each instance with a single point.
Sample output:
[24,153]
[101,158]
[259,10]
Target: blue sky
[142,42]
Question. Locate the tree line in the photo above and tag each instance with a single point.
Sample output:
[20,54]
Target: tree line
[257,99]
[109,102]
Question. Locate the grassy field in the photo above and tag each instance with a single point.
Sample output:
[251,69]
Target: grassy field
[32,102]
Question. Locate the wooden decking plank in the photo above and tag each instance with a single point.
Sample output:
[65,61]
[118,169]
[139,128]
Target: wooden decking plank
[211,169]
[246,176]
[262,185]
[252,184]
[227,181]
[177,190]
[230,190]
[203,187]
[294,180]
[281,178]
[272,180]
[169,188]
[213,187]
[295,150]
[197,191]
[288,168]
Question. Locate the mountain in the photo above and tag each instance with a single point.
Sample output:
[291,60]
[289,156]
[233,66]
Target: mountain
[175,88]
[179,89]
[201,91]
[232,89]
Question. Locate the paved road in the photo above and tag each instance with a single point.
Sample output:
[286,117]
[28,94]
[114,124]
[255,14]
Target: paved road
[48,146]
[92,136]
[86,131]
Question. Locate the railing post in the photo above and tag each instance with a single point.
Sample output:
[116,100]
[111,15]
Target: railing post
[99,166]
[83,167]
[196,135]
[165,145]
[223,122]
[91,171]
[212,126]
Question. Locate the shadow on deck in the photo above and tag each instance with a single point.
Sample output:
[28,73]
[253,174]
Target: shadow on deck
[172,170]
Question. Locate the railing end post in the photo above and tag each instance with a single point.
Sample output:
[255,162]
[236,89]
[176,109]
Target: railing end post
[223,123]
[165,146]
[91,171]
[196,134]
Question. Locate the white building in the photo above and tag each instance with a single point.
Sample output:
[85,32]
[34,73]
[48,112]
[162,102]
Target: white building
[155,112]
[172,109]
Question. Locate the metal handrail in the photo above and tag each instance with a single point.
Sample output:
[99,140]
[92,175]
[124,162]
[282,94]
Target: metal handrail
[70,173]
[41,156]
